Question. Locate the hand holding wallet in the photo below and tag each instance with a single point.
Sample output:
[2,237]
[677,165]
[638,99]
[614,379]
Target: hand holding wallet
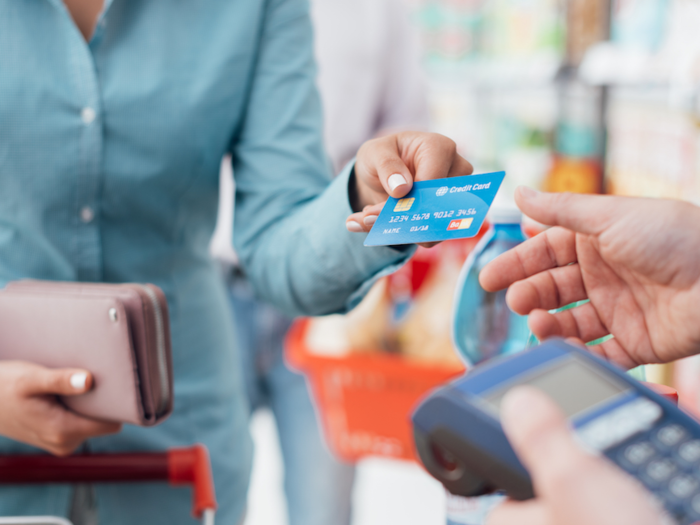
[119,332]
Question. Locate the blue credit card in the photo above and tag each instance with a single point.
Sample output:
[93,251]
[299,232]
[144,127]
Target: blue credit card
[436,210]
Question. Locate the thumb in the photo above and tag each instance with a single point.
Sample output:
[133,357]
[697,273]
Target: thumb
[541,437]
[588,214]
[59,381]
[393,174]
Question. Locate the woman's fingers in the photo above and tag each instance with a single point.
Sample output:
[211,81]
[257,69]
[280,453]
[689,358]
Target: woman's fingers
[431,156]
[435,157]
[550,249]
[65,434]
[389,165]
[547,290]
[381,167]
[83,427]
[37,380]
[362,221]
[460,166]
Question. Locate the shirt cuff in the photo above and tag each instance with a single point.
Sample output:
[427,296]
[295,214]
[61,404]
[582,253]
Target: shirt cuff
[373,262]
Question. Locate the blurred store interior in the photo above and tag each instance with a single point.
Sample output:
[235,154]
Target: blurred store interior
[576,95]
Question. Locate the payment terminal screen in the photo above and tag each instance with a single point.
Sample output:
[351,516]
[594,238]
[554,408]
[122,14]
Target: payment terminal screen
[575,387]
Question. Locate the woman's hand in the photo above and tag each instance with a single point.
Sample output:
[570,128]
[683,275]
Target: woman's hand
[572,487]
[387,166]
[635,259]
[30,412]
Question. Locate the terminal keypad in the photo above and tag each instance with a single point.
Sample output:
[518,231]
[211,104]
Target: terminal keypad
[666,460]
[638,454]
[689,452]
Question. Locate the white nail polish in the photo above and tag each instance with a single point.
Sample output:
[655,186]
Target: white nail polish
[78,380]
[395,181]
[354,227]
[370,220]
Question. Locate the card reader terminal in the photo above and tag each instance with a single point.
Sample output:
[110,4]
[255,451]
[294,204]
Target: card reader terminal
[461,442]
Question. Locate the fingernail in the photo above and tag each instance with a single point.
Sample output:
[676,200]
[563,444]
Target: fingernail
[354,227]
[370,220]
[395,181]
[527,192]
[78,380]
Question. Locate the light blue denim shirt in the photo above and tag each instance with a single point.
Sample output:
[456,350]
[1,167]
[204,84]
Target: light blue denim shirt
[109,161]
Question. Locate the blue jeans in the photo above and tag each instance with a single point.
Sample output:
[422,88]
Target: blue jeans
[318,487]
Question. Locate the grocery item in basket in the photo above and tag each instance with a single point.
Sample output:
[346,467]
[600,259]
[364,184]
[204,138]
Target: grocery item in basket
[436,210]
[119,332]
[364,329]
[483,326]
[424,333]
[407,314]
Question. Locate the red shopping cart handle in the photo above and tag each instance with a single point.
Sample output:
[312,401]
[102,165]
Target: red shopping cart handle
[179,466]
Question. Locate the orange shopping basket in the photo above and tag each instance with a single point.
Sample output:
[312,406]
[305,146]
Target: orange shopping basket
[180,466]
[365,401]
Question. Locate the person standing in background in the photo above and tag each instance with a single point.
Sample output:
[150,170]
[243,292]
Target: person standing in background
[371,84]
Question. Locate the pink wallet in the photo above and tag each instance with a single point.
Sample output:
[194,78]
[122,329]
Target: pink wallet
[119,332]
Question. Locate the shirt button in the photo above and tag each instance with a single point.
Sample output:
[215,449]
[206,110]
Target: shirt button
[88,115]
[86,214]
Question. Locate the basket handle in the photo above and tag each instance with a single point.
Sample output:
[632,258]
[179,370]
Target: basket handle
[179,466]
[191,466]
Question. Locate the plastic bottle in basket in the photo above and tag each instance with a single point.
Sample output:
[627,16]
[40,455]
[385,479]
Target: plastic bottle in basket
[483,325]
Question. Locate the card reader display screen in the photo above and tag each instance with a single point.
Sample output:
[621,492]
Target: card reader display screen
[575,386]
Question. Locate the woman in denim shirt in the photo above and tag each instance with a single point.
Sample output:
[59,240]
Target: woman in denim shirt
[113,121]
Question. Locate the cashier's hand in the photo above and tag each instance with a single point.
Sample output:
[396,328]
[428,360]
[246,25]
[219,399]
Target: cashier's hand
[31,413]
[389,165]
[637,260]
[572,487]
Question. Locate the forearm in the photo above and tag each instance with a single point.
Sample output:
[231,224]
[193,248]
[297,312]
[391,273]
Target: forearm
[308,263]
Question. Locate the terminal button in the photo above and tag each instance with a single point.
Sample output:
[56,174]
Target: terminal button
[671,435]
[695,504]
[690,451]
[638,454]
[682,486]
[660,470]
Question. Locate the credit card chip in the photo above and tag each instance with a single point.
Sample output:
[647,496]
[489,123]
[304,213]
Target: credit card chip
[404,204]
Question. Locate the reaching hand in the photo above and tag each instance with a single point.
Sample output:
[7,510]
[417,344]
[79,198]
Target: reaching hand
[389,165]
[30,412]
[637,260]
[572,487]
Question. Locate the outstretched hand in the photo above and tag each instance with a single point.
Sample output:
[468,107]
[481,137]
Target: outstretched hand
[387,166]
[637,260]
